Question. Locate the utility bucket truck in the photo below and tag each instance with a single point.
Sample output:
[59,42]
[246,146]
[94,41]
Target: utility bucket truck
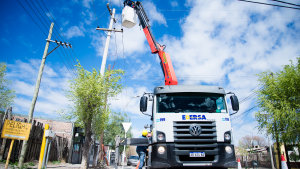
[190,124]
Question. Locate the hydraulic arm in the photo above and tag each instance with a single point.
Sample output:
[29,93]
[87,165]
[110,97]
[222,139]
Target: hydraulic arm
[165,61]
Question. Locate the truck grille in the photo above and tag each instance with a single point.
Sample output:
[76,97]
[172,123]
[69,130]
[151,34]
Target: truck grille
[186,143]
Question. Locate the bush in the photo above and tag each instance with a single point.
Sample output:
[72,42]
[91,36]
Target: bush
[55,162]
[294,157]
[31,164]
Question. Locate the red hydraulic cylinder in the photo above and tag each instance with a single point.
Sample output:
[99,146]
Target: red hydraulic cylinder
[170,76]
[150,40]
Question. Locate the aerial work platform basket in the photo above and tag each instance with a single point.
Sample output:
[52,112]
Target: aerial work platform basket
[129,17]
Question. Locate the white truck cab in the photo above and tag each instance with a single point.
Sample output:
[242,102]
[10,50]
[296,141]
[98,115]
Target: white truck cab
[191,127]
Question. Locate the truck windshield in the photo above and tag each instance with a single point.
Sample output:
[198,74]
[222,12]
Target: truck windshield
[190,102]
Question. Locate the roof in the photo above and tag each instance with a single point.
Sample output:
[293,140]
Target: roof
[189,88]
[40,117]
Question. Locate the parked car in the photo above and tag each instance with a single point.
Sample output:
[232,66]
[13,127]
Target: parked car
[133,160]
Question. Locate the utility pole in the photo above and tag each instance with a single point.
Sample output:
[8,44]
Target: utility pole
[103,64]
[270,145]
[112,19]
[37,87]
[276,136]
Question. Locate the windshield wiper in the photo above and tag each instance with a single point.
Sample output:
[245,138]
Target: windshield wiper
[178,110]
[211,110]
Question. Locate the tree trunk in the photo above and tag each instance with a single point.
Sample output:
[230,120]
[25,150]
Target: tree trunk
[86,146]
[101,153]
[95,154]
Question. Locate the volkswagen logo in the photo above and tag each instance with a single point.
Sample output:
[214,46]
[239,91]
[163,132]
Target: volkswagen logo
[195,129]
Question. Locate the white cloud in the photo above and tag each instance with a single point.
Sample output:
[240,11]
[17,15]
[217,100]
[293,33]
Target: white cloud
[75,31]
[87,3]
[5,41]
[127,98]
[174,3]
[153,14]
[142,71]
[50,97]
[89,17]
[223,46]
[65,23]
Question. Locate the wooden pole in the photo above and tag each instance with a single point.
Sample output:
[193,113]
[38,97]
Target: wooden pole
[9,153]
[36,92]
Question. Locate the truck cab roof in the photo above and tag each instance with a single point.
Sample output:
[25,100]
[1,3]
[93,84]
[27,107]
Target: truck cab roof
[188,88]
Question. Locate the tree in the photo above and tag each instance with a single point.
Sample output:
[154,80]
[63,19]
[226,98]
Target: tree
[279,102]
[294,157]
[87,94]
[7,95]
[246,141]
[114,128]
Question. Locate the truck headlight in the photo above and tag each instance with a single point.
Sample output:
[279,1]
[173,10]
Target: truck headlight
[227,136]
[161,150]
[228,149]
[160,136]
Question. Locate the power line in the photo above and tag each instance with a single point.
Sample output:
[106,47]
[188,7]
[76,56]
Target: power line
[286,2]
[32,18]
[251,95]
[270,4]
[53,19]
[36,15]
[236,18]
[64,39]
[72,67]
[40,27]
[247,111]
[46,22]
[95,12]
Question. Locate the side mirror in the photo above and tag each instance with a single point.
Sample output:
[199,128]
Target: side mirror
[234,103]
[143,104]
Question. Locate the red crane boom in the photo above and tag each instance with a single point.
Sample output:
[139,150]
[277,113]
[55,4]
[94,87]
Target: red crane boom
[165,60]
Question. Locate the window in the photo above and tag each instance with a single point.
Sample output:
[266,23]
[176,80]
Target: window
[191,102]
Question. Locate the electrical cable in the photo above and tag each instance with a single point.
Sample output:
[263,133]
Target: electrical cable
[270,4]
[54,20]
[64,39]
[286,2]
[42,18]
[95,12]
[116,48]
[42,32]
[123,52]
[32,18]
[36,15]
[247,111]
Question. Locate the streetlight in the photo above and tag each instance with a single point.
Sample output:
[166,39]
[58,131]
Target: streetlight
[126,126]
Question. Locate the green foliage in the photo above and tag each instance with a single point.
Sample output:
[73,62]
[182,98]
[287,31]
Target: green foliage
[280,99]
[7,95]
[31,164]
[88,93]
[114,128]
[242,148]
[102,165]
[294,157]
[56,162]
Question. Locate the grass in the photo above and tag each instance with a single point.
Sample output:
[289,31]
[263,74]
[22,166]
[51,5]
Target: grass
[31,164]
[56,162]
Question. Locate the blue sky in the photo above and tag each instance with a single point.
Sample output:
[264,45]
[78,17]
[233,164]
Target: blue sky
[217,42]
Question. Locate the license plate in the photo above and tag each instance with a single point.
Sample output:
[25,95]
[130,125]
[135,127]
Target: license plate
[197,154]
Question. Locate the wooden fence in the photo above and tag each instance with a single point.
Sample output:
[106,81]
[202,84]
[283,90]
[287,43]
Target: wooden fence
[59,146]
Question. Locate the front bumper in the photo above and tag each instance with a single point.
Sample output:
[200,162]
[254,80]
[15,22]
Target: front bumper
[179,157]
